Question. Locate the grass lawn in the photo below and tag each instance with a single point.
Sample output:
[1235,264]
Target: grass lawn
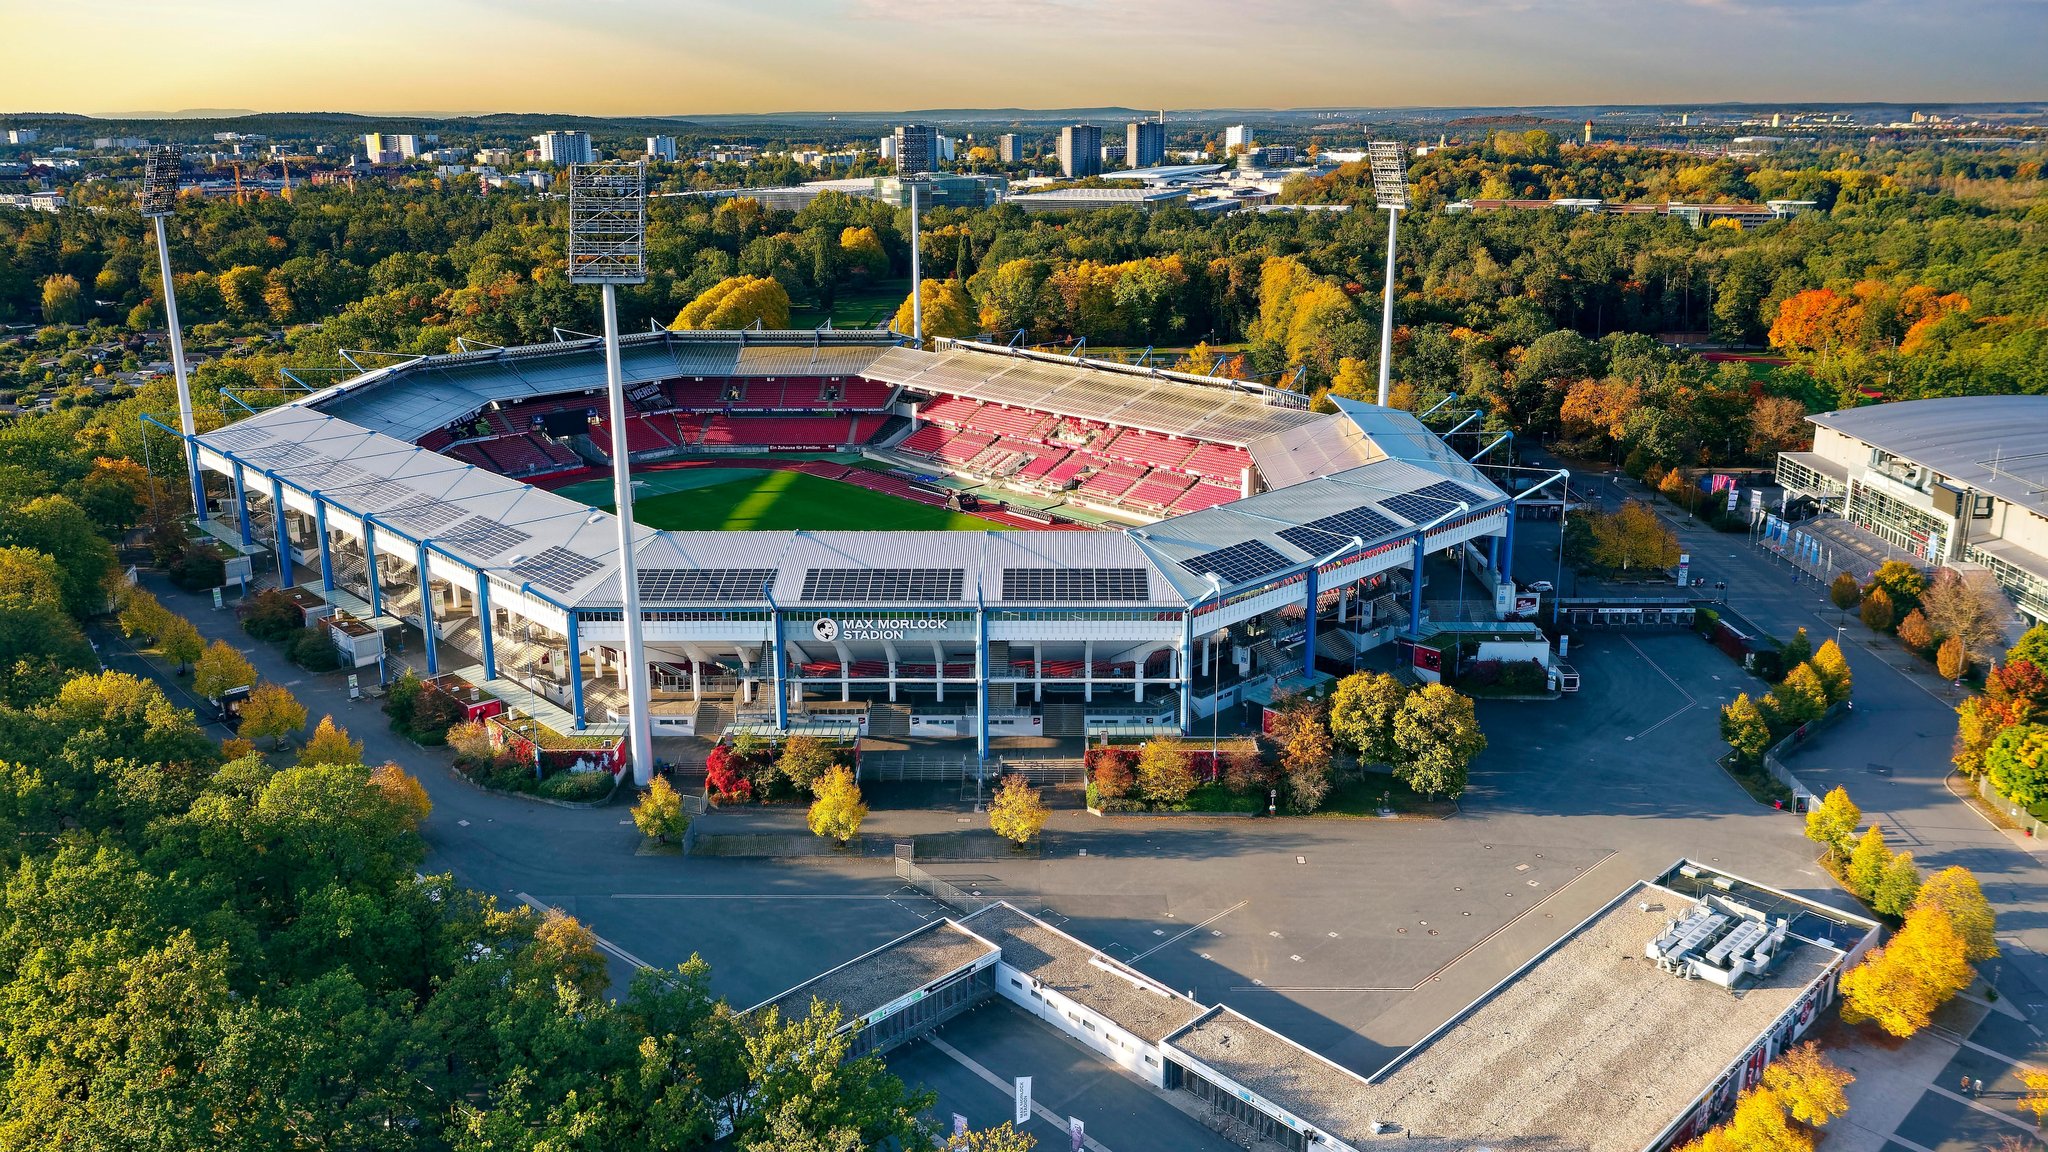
[740,500]
[868,306]
[1360,796]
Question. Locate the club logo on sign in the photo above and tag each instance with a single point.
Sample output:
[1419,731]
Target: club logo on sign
[826,630]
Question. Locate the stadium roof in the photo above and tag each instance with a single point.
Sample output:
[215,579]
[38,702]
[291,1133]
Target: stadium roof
[1994,444]
[1173,404]
[1166,173]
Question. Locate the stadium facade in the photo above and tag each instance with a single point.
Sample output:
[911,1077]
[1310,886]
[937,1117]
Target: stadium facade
[1246,536]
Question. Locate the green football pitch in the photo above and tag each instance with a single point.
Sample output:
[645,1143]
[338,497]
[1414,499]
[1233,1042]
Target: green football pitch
[752,499]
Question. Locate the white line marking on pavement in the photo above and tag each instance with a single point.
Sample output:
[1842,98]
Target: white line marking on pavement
[1690,699]
[1988,1111]
[1189,931]
[1008,1088]
[603,943]
[748,896]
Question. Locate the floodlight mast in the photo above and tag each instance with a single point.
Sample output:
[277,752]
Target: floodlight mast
[1390,191]
[159,200]
[916,273]
[608,247]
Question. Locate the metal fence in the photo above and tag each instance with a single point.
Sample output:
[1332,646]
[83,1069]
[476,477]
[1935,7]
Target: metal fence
[1802,796]
[952,896]
[2021,819]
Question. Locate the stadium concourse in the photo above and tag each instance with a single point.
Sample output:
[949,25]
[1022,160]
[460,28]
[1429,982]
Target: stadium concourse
[1252,535]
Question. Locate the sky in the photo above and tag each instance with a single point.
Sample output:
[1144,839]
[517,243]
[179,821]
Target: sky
[677,57]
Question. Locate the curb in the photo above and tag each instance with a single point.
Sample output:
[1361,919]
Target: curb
[547,800]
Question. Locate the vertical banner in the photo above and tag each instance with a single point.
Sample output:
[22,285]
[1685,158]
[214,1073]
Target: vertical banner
[1734,497]
[1684,567]
[1023,1100]
[1074,1130]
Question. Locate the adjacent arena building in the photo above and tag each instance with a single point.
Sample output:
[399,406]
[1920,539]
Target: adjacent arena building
[1176,543]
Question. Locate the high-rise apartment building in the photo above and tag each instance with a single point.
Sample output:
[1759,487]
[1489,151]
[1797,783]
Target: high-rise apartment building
[917,149]
[1237,136]
[1144,143]
[564,148]
[1080,151]
[661,148]
[390,147]
[1009,149]
[19,136]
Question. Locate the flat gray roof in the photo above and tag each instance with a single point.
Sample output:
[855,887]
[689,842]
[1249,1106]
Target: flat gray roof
[1135,1003]
[877,979]
[1590,1049]
[1994,444]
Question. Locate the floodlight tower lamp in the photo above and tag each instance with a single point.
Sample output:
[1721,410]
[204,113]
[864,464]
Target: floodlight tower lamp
[608,247]
[1390,191]
[159,200]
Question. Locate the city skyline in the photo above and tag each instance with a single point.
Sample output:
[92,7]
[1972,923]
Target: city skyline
[612,58]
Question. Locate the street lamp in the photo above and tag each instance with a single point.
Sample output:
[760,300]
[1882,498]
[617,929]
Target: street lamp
[608,247]
[1390,191]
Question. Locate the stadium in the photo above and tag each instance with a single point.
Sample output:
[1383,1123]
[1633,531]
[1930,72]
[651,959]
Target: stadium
[974,541]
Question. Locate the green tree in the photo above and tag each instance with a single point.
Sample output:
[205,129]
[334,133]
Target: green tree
[1362,712]
[1867,863]
[1901,582]
[42,646]
[2018,761]
[180,642]
[804,761]
[220,668]
[805,1088]
[63,300]
[659,815]
[1633,537]
[271,712]
[1017,811]
[1832,824]
[838,811]
[2032,647]
[1798,650]
[1897,886]
[1164,775]
[56,527]
[1743,727]
[1438,734]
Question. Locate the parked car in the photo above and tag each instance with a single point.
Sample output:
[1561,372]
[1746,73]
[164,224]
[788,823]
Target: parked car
[1540,586]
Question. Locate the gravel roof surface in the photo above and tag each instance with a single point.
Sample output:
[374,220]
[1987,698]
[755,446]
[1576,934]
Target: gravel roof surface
[1591,1050]
[896,969]
[1063,964]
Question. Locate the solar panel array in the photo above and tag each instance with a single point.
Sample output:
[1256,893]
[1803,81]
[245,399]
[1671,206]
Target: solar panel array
[484,538]
[425,513]
[1239,563]
[556,568]
[1331,531]
[1420,508]
[702,585]
[1445,490]
[883,585]
[1076,585]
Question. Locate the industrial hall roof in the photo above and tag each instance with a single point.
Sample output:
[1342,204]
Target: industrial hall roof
[1994,444]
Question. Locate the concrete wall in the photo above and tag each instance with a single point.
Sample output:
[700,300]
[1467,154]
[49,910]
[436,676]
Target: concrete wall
[1141,1058]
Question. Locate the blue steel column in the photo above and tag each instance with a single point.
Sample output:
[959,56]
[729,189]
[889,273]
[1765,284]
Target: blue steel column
[326,556]
[370,566]
[1507,547]
[780,672]
[981,676]
[242,506]
[483,620]
[284,538]
[1415,591]
[1187,671]
[1308,649]
[427,612]
[575,674]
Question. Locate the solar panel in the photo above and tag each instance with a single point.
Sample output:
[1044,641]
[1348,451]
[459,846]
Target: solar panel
[484,537]
[1076,585]
[236,439]
[1331,531]
[1239,563]
[702,585]
[378,494]
[1418,508]
[883,585]
[1445,490]
[425,513]
[556,568]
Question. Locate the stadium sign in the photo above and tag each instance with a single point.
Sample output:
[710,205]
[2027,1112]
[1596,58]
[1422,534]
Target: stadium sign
[828,630]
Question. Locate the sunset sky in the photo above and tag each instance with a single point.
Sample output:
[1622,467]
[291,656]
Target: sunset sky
[622,57]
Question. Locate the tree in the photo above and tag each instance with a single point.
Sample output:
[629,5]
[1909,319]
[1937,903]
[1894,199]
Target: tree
[330,744]
[805,1093]
[219,669]
[2032,647]
[1915,633]
[1800,698]
[1868,863]
[1808,1084]
[1833,669]
[1165,775]
[1963,612]
[181,643]
[1955,894]
[838,811]
[947,310]
[1900,985]
[1777,424]
[1000,1139]
[1633,537]
[63,300]
[1362,712]
[1759,1125]
[39,643]
[403,791]
[1896,886]
[1306,752]
[1832,822]
[1951,660]
[1017,811]
[271,712]
[659,815]
[57,528]
[566,949]
[1877,611]
[1845,592]
[2018,762]
[1900,581]
[1798,650]
[141,616]
[1744,728]
[734,303]
[2036,1099]
[804,760]
[1438,734]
